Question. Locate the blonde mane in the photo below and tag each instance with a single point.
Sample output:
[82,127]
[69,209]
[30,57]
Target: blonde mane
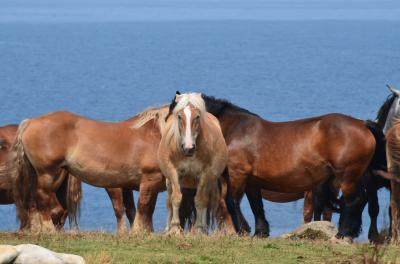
[172,129]
[148,114]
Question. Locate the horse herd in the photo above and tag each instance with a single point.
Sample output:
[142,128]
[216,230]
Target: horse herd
[207,153]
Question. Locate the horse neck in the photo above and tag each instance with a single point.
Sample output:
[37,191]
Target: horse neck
[391,119]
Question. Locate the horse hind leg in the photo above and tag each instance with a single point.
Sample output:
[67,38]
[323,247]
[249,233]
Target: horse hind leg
[354,201]
[115,195]
[46,199]
[236,190]
[373,211]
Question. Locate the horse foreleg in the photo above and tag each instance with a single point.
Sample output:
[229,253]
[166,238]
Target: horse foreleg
[206,195]
[373,211]
[255,199]
[116,197]
[308,208]
[175,199]
[236,189]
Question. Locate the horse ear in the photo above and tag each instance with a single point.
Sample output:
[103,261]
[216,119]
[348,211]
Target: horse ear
[178,93]
[177,98]
[393,89]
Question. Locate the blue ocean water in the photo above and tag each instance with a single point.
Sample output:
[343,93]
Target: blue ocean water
[282,60]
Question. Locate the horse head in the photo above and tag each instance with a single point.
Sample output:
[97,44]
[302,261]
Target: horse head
[187,111]
[394,110]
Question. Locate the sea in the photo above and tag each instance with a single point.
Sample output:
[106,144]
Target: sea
[284,60]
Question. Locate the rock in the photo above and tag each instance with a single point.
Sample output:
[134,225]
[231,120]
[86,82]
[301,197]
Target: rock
[70,258]
[314,230]
[33,254]
[7,254]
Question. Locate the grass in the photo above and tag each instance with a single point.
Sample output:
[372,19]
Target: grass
[103,248]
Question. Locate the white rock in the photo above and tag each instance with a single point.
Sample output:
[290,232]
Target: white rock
[7,254]
[70,258]
[33,254]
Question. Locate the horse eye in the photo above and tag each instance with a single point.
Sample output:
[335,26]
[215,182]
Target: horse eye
[197,117]
[179,117]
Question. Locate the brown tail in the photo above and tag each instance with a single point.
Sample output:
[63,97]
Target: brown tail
[5,178]
[24,177]
[74,198]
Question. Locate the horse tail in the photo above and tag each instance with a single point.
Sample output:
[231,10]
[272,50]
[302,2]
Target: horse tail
[74,198]
[129,204]
[23,175]
[378,161]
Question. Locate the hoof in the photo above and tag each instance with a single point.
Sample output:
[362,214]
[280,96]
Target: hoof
[174,230]
[341,239]
[261,233]
[200,230]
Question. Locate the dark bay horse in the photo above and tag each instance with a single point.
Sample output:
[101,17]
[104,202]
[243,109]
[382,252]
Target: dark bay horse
[296,156]
[192,154]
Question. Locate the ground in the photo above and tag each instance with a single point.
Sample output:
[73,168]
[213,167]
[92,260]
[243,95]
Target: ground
[102,248]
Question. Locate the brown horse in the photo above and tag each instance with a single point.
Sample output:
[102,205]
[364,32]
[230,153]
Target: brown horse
[103,154]
[7,134]
[292,157]
[393,174]
[69,193]
[192,154]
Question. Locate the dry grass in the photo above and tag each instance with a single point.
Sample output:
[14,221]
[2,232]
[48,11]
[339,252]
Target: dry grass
[104,248]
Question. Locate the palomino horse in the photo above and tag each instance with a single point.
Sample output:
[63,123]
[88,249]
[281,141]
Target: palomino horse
[294,157]
[192,154]
[103,154]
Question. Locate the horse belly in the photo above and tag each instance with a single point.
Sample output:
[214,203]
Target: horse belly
[103,175]
[297,180]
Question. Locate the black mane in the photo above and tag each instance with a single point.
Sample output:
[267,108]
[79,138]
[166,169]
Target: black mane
[218,106]
[384,110]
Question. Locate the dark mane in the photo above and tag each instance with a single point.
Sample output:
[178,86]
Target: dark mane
[218,106]
[384,110]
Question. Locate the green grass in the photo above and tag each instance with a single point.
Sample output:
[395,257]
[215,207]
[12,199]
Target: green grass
[101,248]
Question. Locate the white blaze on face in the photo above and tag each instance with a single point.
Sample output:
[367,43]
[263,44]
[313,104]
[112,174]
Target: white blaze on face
[188,141]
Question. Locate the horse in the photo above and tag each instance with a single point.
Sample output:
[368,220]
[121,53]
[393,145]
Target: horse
[294,157]
[69,193]
[387,120]
[103,154]
[192,154]
[393,174]
[7,134]
[64,195]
